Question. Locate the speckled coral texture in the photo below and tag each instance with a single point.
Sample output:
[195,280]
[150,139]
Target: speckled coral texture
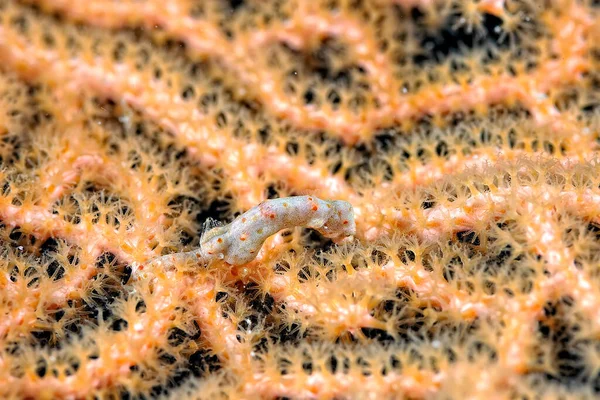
[464,133]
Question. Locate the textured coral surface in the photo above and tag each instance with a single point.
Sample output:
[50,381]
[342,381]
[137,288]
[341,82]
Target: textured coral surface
[463,132]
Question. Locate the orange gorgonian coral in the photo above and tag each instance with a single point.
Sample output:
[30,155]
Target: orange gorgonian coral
[463,134]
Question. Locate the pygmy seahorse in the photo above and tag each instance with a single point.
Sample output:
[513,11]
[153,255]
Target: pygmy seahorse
[239,242]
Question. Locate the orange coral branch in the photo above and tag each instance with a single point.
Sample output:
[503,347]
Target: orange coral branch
[481,223]
[240,57]
[327,386]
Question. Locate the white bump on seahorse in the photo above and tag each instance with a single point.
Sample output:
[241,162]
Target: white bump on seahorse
[240,241]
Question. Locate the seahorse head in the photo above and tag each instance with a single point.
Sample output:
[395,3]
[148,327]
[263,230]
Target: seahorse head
[340,226]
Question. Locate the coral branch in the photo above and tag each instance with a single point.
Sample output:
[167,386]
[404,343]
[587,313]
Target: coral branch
[458,137]
[204,39]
